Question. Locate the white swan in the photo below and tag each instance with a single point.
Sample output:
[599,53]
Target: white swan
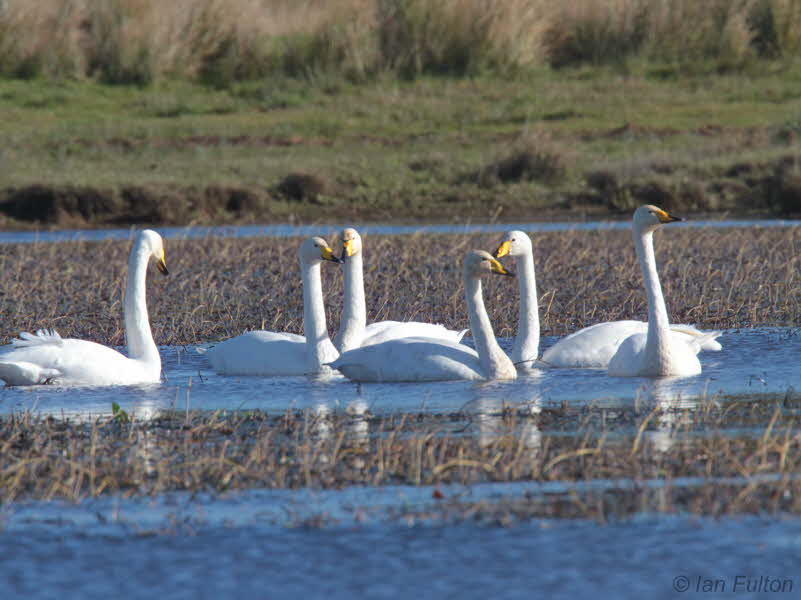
[427,359]
[46,357]
[591,347]
[272,353]
[353,329]
[659,352]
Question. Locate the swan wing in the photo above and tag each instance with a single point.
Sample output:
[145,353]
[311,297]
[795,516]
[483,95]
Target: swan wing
[631,359]
[410,359]
[593,346]
[627,360]
[42,337]
[267,353]
[383,331]
[48,358]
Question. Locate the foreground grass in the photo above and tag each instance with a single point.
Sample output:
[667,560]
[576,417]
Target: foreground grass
[754,442]
[218,288]
[548,144]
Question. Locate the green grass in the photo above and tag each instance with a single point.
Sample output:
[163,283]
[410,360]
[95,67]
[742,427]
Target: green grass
[398,149]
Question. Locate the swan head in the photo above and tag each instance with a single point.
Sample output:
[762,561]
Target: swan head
[315,250]
[351,243]
[514,244]
[648,217]
[153,245]
[478,263]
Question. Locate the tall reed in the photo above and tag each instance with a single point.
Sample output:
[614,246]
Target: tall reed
[223,41]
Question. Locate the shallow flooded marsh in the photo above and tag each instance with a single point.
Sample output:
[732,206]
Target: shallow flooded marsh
[570,468]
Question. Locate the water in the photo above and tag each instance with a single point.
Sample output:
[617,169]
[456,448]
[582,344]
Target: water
[372,542]
[753,361]
[246,231]
[192,546]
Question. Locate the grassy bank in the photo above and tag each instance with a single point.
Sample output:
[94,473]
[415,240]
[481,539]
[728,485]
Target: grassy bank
[548,145]
[136,111]
[220,287]
[224,41]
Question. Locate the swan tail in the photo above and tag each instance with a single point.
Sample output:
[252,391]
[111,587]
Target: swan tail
[40,338]
[710,342]
[706,340]
[26,373]
[461,334]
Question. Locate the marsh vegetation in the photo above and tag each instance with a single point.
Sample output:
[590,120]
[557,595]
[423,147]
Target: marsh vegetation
[714,278]
[265,111]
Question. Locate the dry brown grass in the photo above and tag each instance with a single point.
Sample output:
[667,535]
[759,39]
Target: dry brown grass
[220,287]
[138,41]
[52,458]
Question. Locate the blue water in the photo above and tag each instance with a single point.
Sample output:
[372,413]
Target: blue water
[193,546]
[753,361]
[245,231]
[389,542]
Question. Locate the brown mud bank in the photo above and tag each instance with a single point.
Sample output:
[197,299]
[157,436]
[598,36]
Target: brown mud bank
[743,189]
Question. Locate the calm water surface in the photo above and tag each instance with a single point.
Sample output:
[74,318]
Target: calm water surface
[181,546]
[253,544]
[245,231]
[753,361]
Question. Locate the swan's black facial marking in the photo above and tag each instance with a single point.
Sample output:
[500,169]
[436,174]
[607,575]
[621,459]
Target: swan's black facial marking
[327,254]
[499,269]
[348,249]
[663,216]
[161,264]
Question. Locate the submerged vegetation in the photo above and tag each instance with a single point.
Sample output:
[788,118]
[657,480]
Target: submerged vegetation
[725,456]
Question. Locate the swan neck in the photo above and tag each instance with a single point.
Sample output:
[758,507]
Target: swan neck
[658,322]
[527,341]
[354,309]
[138,336]
[490,355]
[314,325]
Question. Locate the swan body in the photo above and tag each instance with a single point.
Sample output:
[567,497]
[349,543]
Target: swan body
[594,346]
[591,347]
[45,357]
[383,331]
[411,359]
[354,331]
[273,354]
[426,359]
[656,353]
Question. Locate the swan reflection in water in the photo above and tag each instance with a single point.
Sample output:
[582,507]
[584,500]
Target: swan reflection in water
[673,412]
[500,409]
[321,416]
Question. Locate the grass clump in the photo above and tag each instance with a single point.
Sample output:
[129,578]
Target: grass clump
[534,158]
[225,41]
